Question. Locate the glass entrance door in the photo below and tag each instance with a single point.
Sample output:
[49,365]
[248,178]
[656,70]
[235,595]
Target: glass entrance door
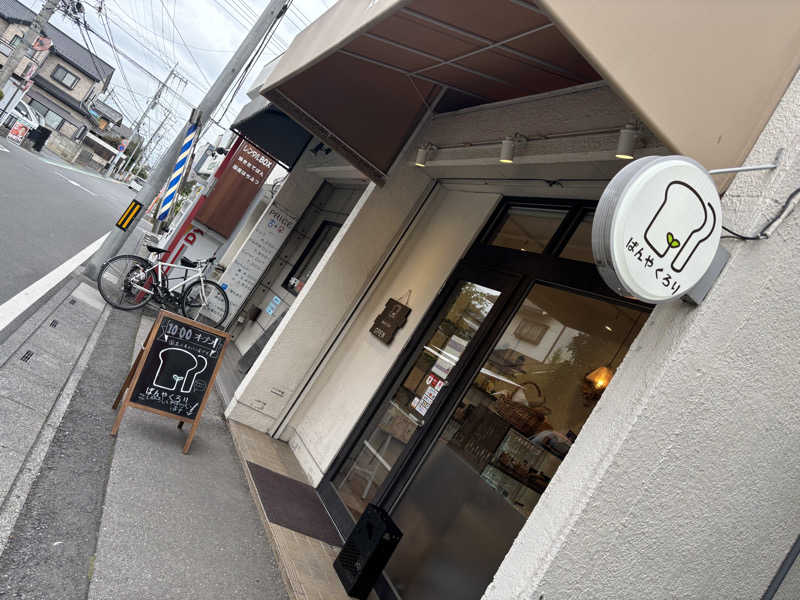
[504,441]
[485,401]
[419,390]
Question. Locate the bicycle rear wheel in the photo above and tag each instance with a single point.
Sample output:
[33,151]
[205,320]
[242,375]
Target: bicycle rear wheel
[205,302]
[121,280]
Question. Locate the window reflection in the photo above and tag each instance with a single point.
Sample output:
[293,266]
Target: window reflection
[528,229]
[579,246]
[405,410]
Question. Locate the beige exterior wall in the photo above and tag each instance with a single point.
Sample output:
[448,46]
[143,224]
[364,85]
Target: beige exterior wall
[82,88]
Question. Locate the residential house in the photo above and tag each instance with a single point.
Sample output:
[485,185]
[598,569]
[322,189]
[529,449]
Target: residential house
[67,79]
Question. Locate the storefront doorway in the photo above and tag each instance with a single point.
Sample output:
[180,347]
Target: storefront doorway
[487,398]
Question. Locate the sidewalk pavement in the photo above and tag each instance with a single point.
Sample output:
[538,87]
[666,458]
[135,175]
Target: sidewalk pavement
[84,515]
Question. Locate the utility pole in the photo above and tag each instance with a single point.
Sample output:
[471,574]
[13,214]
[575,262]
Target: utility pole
[140,120]
[213,97]
[130,166]
[31,35]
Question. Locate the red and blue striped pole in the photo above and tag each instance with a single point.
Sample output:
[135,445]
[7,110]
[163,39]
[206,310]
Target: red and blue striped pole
[177,172]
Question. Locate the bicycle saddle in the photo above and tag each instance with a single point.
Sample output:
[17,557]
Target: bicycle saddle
[188,263]
[156,250]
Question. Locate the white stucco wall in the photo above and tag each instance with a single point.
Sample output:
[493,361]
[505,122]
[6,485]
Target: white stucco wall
[314,317]
[790,586]
[345,386]
[684,481]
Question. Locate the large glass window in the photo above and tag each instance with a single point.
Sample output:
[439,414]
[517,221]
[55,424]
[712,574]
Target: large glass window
[505,441]
[52,119]
[406,408]
[529,229]
[579,246]
[64,77]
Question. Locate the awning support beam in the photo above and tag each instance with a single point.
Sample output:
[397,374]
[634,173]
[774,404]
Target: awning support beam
[487,42]
[410,74]
[452,62]
[439,61]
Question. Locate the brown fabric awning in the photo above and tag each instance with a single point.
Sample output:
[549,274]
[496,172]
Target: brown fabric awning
[704,76]
[363,75]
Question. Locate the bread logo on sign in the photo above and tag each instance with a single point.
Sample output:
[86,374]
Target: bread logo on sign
[657,228]
[697,220]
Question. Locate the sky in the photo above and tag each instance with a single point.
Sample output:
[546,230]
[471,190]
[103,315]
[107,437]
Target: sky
[200,36]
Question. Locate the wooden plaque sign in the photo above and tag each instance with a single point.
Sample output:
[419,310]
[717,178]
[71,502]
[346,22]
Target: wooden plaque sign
[394,316]
[174,371]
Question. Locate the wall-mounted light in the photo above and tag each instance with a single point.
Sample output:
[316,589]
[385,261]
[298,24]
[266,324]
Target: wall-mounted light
[628,136]
[422,156]
[423,153]
[507,150]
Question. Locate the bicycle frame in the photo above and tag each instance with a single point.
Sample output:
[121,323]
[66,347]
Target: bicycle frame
[162,278]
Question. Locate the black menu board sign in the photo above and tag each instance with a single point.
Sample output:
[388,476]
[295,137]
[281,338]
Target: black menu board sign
[174,371]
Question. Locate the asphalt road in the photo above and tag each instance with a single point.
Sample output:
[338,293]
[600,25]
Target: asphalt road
[48,213]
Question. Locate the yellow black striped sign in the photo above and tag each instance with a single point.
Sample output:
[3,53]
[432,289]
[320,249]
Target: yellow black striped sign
[129,215]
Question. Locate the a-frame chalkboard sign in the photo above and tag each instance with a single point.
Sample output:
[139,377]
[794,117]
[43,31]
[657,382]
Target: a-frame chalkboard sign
[174,372]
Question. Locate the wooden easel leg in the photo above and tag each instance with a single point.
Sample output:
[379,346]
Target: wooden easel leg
[188,443]
[127,380]
[119,418]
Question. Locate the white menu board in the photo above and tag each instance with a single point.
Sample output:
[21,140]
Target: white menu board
[256,253]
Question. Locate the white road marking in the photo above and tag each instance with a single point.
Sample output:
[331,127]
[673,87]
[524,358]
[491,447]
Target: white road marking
[76,184]
[15,306]
[3,148]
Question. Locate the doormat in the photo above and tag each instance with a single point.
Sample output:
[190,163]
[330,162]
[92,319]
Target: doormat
[294,505]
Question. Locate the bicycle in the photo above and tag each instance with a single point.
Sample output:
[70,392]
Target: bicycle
[129,282]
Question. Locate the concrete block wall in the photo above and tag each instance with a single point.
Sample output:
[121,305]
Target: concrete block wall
[65,147]
[684,481]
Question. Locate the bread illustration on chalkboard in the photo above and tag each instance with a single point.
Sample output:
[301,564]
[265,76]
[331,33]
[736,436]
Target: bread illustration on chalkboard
[178,365]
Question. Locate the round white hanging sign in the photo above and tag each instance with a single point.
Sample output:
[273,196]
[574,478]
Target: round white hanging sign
[657,228]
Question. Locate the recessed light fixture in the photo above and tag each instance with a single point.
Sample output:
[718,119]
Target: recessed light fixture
[507,150]
[608,328]
[628,136]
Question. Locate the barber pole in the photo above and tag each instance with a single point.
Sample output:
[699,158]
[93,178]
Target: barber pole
[177,173]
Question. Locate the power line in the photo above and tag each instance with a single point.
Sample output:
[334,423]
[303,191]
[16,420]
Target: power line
[129,18]
[256,55]
[191,54]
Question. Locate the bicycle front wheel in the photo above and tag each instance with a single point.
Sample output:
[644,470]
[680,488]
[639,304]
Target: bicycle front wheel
[126,282]
[205,302]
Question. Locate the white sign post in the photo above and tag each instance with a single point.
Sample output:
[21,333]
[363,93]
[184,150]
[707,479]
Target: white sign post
[657,228]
